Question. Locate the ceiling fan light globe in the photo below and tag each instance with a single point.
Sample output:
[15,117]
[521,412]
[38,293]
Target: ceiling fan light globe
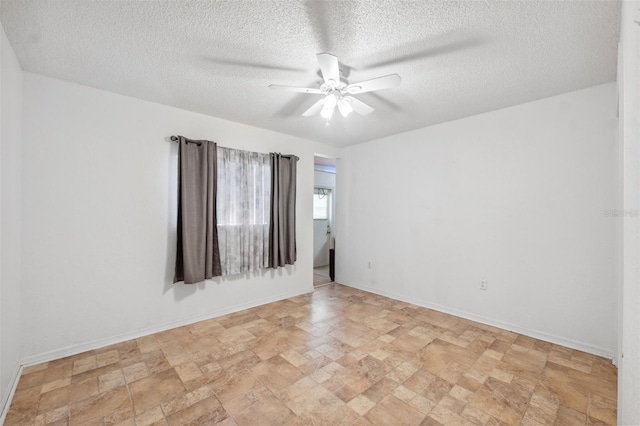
[327,111]
[331,100]
[344,107]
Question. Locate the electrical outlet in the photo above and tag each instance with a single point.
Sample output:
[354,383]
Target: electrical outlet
[483,285]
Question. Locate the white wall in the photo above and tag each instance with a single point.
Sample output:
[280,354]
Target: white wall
[629,332]
[99,197]
[516,197]
[10,202]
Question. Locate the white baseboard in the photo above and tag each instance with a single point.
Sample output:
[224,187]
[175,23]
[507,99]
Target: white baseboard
[99,343]
[12,391]
[540,335]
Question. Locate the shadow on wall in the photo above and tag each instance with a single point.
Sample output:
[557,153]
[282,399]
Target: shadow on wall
[182,291]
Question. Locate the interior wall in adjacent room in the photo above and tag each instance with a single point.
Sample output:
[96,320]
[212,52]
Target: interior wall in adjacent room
[522,198]
[99,218]
[323,230]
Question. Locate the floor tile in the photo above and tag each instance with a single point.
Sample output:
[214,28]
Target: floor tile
[156,389]
[95,407]
[391,410]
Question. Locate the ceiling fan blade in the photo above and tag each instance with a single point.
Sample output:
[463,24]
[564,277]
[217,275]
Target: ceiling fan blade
[295,89]
[439,47]
[359,106]
[329,67]
[319,16]
[248,64]
[379,83]
[314,108]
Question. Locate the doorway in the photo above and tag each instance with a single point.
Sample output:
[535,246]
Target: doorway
[323,220]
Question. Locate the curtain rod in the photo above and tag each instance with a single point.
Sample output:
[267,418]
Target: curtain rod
[177,138]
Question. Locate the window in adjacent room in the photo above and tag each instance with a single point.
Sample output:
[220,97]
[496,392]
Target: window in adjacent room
[321,203]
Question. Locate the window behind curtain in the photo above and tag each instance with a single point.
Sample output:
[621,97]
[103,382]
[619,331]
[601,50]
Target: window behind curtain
[243,210]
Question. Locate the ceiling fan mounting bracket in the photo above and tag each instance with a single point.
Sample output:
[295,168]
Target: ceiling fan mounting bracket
[332,86]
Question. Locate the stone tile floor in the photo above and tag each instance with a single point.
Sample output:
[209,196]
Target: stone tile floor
[321,276]
[320,280]
[339,356]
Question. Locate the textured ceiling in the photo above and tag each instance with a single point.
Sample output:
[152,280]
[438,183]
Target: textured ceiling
[456,58]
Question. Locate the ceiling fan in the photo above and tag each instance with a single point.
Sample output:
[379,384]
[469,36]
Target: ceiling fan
[337,92]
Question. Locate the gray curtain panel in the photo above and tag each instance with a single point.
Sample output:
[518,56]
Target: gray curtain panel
[282,229]
[244,187]
[197,254]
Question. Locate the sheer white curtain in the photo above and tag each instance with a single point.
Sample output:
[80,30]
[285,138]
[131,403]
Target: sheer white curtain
[243,210]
